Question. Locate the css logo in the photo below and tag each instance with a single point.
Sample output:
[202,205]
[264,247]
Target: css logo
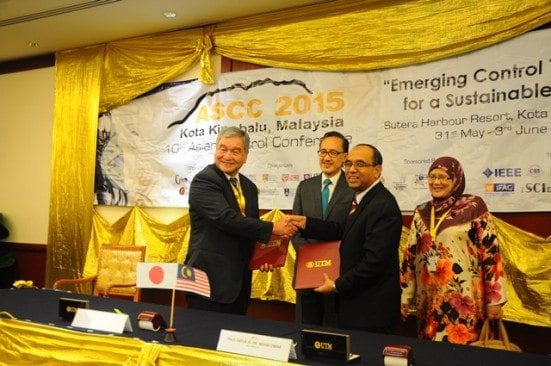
[535,171]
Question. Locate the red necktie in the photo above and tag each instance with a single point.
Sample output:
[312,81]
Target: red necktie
[353,207]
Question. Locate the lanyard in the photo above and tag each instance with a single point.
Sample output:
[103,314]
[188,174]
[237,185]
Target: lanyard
[433,228]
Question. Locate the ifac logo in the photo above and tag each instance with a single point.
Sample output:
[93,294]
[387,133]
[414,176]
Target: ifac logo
[499,187]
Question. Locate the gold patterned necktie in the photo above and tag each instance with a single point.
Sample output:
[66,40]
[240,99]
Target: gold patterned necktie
[238,194]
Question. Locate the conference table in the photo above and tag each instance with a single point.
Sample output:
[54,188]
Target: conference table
[38,335]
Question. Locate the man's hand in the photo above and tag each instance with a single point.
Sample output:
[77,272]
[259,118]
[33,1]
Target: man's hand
[328,286]
[284,227]
[266,267]
[298,221]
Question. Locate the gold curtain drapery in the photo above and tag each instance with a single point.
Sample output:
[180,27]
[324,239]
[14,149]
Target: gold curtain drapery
[134,66]
[342,35]
[169,243]
[47,345]
[359,35]
[78,75]
[526,257]
[165,242]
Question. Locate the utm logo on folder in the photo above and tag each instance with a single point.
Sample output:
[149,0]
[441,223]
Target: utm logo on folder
[320,263]
[315,259]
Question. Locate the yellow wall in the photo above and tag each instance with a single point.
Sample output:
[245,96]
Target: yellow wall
[26,120]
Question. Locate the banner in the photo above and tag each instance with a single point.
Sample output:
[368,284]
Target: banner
[489,109]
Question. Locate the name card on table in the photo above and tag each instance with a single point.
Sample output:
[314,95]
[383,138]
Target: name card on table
[102,320]
[68,307]
[250,344]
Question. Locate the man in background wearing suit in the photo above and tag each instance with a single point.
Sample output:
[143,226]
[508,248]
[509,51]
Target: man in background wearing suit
[223,209]
[325,196]
[367,290]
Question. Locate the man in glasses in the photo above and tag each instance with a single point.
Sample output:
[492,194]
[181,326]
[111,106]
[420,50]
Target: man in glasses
[367,289]
[325,196]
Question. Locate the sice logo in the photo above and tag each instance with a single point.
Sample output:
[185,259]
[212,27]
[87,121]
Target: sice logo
[536,188]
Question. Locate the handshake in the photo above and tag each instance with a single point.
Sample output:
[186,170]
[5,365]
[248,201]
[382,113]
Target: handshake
[288,225]
[285,227]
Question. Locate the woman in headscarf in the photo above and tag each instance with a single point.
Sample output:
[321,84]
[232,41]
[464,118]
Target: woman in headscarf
[452,271]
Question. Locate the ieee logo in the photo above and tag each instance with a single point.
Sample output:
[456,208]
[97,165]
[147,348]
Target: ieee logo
[487,172]
[502,172]
[499,187]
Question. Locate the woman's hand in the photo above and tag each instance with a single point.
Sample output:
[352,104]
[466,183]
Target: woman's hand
[404,310]
[494,312]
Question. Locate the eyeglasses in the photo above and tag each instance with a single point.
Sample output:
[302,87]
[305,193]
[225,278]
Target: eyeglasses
[331,153]
[358,164]
[441,178]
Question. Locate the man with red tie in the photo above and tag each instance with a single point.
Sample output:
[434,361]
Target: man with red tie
[367,290]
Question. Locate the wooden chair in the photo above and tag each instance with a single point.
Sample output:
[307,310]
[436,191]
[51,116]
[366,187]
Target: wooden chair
[116,276]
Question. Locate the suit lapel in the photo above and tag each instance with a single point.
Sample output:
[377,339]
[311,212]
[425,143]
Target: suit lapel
[248,194]
[317,196]
[362,206]
[228,192]
[339,190]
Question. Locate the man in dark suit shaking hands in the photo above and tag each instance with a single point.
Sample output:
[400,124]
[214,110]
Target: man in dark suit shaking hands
[223,209]
[324,196]
[367,290]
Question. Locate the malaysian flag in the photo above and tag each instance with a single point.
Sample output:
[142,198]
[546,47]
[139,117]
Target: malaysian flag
[192,280]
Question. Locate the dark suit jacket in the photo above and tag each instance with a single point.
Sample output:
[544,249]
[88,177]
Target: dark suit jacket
[368,286]
[308,203]
[221,239]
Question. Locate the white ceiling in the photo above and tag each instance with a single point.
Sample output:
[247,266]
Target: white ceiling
[37,27]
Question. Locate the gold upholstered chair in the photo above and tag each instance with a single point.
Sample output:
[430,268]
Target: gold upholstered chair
[116,275]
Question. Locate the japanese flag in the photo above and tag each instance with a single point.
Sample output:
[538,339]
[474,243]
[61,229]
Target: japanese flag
[156,275]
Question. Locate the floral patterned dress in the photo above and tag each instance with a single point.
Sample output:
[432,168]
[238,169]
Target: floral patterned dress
[450,280]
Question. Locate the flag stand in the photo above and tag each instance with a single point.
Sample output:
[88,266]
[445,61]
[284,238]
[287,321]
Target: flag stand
[172,276]
[169,336]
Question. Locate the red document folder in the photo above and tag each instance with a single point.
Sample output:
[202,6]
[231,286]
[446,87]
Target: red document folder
[315,259]
[274,252]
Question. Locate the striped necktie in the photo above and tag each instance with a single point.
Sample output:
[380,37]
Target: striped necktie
[236,188]
[353,207]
